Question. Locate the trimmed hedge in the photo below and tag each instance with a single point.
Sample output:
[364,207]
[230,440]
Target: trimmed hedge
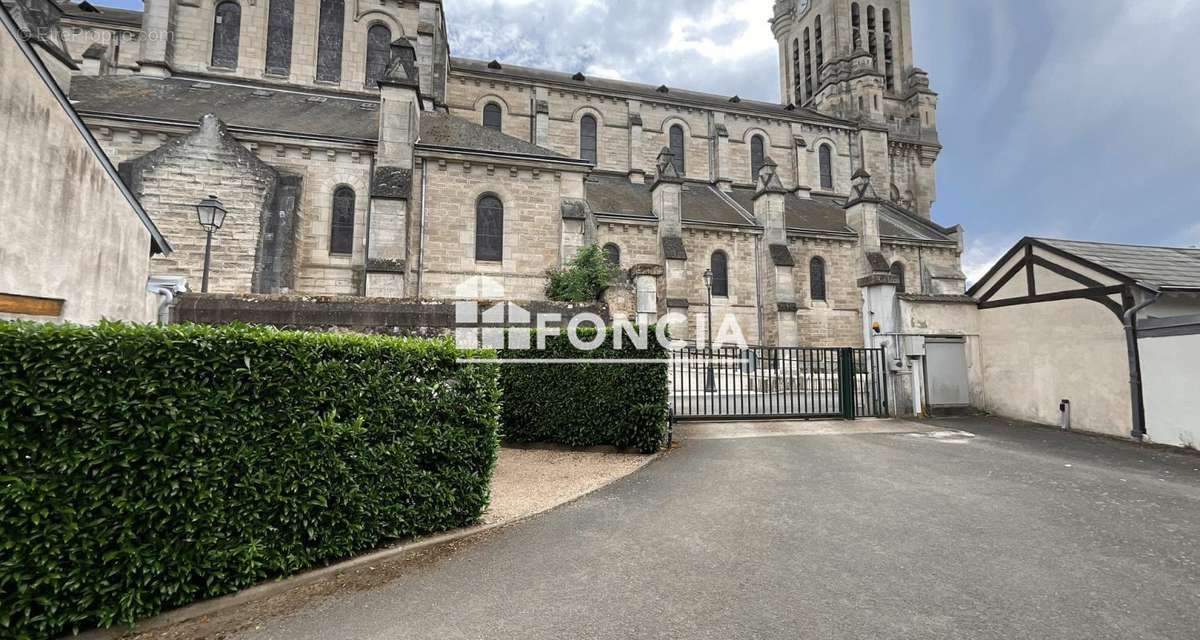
[582,405]
[146,468]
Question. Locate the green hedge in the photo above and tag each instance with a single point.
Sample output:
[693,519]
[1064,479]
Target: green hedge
[581,405]
[147,468]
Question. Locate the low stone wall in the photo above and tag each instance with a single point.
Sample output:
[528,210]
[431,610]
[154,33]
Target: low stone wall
[389,316]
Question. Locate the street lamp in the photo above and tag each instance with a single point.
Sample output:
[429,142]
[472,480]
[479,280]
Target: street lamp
[211,214]
[710,383]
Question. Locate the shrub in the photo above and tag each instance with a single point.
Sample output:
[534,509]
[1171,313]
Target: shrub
[580,405]
[584,280]
[146,468]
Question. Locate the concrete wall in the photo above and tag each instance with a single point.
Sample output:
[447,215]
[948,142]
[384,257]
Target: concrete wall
[1035,355]
[68,232]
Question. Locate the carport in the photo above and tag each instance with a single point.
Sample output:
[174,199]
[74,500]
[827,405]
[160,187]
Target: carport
[1063,327]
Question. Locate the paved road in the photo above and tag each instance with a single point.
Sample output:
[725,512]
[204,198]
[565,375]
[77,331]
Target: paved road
[1015,533]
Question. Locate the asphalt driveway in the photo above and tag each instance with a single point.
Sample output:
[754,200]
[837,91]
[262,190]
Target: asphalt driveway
[1008,532]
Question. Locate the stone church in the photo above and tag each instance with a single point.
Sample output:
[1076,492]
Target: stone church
[358,157]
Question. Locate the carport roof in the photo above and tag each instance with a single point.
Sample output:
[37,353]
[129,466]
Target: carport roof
[1153,266]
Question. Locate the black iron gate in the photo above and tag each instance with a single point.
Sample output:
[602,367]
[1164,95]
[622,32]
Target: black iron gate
[778,382]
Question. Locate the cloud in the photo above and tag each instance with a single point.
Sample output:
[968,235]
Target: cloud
[724,47]
[982,253]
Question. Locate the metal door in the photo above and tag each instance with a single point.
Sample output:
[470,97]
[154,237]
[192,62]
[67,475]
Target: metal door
[946,372]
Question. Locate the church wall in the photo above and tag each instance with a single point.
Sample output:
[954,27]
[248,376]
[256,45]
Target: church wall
[781,147]
[915,258]
[532,227]
[656,123]
[467,98]
[468,95]
[742,302]
[638,242]
[318,272]
[194,27]
[836,322]
[612,118]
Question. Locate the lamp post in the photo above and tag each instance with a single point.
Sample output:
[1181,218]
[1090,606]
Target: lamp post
[211,214]
[710,383]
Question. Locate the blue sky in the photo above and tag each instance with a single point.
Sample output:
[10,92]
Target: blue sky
[1063,118]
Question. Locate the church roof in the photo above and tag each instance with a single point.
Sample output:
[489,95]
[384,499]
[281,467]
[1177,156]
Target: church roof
[180,100]
[818,214]
[702,203]
[453,132]
[650,92]
[105,15]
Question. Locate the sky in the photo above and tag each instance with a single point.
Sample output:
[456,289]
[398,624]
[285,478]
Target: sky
[1063,118]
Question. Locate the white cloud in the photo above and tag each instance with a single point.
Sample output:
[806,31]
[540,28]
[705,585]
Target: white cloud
[982,253]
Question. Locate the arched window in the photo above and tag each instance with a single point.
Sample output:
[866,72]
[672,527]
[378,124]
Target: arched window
[678,148]
[341,230]
[872,44]
[720,274]
[612,253]
[820,47]
[826,159]
[493,117]
[898,271]
[329,40]
[489,229]
[587,139]
[797,97]
[280,16]
[379,53]
[856,25]
[816,279]
[227,28]
[888,60]
[757,154]
[808,66]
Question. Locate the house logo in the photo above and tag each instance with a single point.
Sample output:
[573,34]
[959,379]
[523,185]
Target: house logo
[485,319]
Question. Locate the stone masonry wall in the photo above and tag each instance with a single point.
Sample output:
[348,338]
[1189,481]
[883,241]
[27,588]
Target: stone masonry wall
[837,322]
[532,228]
[168,183]
[322,167]
[193,40]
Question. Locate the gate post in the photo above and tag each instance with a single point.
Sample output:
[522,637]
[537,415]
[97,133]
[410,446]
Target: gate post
[846,382]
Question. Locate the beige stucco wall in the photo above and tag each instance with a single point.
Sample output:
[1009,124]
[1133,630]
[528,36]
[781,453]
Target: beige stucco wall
[949,319]
[68,232]
[1035,355]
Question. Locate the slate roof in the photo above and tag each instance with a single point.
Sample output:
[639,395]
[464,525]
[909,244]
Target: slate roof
[185,100]
[1158,267]
[895,222]
[444,130]
[646,91]
[820,214]
[702,203]
[97,13]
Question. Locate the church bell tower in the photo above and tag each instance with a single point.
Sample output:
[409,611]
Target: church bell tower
[853,59]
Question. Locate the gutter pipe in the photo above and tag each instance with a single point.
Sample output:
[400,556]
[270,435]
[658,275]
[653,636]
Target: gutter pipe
[1135,366]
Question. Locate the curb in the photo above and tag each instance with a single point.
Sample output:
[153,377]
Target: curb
[270,589]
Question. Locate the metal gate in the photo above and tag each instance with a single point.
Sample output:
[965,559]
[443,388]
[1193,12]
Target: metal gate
[778,382]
